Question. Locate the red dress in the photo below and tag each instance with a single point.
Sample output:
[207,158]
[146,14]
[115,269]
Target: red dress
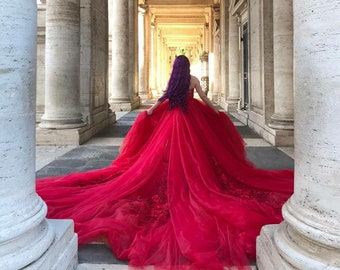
[181,194]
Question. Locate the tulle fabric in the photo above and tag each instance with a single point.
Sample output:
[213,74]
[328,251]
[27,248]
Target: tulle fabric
[181,194]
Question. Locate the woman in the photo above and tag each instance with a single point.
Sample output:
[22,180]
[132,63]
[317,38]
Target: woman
[181,194]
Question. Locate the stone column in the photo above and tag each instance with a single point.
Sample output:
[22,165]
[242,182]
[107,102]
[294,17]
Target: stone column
[164,63]
[120,52]
[206,37]
[309,237]
[224,52]
[217,68]
[143,90]
[234,89]
[62,65]
[40,88]
[133,55]
[153,59]
[27,239]
[216,54]
[283,65]
[158,51]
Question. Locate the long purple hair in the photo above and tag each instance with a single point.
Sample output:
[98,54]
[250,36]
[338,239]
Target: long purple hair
[178,84]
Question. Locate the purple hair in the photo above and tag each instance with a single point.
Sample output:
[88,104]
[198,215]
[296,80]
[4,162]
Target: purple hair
[178,84]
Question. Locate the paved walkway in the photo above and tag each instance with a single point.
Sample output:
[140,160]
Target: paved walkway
[103,148]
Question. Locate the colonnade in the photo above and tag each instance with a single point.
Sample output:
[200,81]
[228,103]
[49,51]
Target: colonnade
[309,236]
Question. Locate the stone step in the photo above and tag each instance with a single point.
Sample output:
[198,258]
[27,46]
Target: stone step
[87,266]
[99,257]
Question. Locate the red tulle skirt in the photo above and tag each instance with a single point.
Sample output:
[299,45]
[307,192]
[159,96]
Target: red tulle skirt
[181,194]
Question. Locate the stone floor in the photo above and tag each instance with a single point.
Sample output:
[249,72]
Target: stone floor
[101,150]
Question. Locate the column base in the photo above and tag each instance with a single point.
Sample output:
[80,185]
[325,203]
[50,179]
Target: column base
[281,122]
[232,104]
[63,253]
[279,137]
[76,136]
[125,105]
[276,137]
[58,123]
[60,136]
[145,96]
[280,247]
[267,256]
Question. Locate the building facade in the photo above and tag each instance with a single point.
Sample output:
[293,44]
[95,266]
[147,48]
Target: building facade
[68,65]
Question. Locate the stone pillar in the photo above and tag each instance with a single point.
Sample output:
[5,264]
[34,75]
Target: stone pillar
[62,65]
[211,75]
[206,39]
[234,89]
[40,88]
[309,237]
[27,239]
[217,68]
[133,55]
[224,52]
[164,62]
[120,52]
[153,59]
[205,72]
[143,89]
[283,65]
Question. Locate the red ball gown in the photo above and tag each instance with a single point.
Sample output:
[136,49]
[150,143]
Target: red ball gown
[180,195]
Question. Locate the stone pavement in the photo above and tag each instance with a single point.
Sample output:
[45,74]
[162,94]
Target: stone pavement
[101,150]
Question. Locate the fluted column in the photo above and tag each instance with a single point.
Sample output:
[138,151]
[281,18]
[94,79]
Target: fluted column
[283,65]
[62,65]
[24,233]
[309,237]
[234,89]
[120,52]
